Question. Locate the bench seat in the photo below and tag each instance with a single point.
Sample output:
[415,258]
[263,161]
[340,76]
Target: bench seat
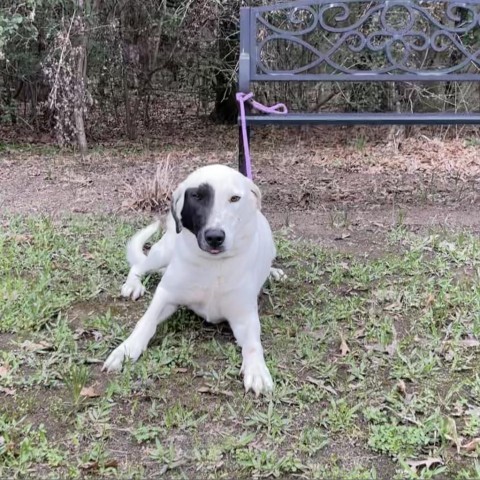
[443,118]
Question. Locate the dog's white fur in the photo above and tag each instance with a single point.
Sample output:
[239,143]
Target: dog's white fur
[217,287]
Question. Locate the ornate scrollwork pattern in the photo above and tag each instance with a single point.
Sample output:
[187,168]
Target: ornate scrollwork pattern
[358,37]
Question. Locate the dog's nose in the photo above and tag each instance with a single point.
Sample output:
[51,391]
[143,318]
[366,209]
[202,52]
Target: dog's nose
[214,237]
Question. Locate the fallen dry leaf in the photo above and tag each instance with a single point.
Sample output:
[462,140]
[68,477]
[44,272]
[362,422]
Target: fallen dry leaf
[430,300]
[360,333]
[213,391]
[393,307]
[90,466]
[319,333]
[471,446]
[22,238]
[427,463]
[344,348]
[181,370]
[4,369]
[35,347]
[81,333]
[401,387]
[376,347]
[469,342]
[89,392]
[7,391]
[449,355]
[204,390]
[321,384]
[227,393]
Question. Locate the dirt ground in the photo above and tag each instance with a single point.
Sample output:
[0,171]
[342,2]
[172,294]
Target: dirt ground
[319,182]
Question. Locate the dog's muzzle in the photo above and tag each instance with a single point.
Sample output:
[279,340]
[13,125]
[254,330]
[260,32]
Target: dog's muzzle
[213,240]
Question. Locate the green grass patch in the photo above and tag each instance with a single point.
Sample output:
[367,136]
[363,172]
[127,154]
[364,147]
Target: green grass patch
[375,363]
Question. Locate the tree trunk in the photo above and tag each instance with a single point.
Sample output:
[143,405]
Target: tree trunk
[8,99]
[130,123]
[80,70]
[226,109]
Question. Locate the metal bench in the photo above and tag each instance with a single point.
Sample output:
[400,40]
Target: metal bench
[414,41]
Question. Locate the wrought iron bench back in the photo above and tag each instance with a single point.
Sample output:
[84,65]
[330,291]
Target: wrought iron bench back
[359,40]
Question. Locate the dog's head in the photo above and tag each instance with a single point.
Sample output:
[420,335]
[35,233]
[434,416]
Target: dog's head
[217,204]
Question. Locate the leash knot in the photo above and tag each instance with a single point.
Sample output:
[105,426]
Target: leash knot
[242,98]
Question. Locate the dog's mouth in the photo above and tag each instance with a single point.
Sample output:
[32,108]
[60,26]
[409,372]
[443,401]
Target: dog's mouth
[213,251]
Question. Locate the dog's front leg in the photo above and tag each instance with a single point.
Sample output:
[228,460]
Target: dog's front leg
[157,260]
[159,310]
[256,376]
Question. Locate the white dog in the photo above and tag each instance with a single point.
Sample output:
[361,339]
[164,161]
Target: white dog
[216,254]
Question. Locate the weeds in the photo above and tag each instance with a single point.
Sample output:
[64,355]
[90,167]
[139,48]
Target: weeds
[375,363]
[152,193]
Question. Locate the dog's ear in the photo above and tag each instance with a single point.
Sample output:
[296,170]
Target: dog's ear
[176,206]
[256,192]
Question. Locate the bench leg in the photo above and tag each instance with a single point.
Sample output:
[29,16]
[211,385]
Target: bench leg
[241,151]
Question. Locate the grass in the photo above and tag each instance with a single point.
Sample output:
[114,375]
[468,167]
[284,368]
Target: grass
[375,362]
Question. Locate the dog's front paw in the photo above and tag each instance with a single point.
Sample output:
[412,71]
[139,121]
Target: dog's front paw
[256,377]
[133,289]
[115,360]
[277,274]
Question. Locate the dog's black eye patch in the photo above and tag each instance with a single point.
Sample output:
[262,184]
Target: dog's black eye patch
[196,195]
[196,207]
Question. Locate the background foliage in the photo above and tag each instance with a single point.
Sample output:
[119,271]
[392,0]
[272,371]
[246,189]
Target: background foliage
[152,62]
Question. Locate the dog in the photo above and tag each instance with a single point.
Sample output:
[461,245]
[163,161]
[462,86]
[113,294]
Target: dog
[215,256]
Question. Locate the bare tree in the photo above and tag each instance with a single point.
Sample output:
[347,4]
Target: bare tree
[80,77]
[225,104]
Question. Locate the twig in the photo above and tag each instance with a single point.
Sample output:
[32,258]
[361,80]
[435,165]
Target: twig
[401,417]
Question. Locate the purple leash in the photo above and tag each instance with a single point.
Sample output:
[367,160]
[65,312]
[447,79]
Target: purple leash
[242,98]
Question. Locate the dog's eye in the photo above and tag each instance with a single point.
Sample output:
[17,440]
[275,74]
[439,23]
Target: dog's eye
[196,196]
[234,199]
